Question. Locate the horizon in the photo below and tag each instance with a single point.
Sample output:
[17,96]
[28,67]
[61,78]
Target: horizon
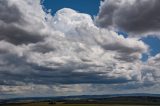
[69,96]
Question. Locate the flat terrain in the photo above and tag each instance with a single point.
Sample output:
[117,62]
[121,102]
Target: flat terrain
[60,104]
[73,101]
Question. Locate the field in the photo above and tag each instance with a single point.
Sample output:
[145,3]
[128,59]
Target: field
[70,101]
[61,104]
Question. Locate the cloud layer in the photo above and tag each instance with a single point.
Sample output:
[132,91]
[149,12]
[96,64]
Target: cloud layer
[41,51]
[136,17]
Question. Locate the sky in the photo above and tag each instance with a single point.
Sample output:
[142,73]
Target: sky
[89,6]
[72,47]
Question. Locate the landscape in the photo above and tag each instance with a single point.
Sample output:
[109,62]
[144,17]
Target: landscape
[79,52]
[87,100]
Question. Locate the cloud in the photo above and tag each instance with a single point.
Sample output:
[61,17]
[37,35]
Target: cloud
[12,22]
[153,66]
[37,48]
[132,16]
[8,16]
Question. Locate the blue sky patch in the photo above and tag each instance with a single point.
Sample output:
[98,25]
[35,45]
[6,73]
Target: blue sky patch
[154,44]
[89,6]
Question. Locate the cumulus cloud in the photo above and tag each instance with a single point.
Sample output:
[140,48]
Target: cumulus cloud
[13,19]
[42,50]
[136,17]
[153,66]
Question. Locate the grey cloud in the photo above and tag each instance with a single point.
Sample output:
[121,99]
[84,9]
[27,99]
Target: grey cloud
[9,13]
[12,23]
[136,17]
[64,49]
[153,67]
[17,72]
[17,35]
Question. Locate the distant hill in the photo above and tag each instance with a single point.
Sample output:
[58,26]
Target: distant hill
[139,97]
